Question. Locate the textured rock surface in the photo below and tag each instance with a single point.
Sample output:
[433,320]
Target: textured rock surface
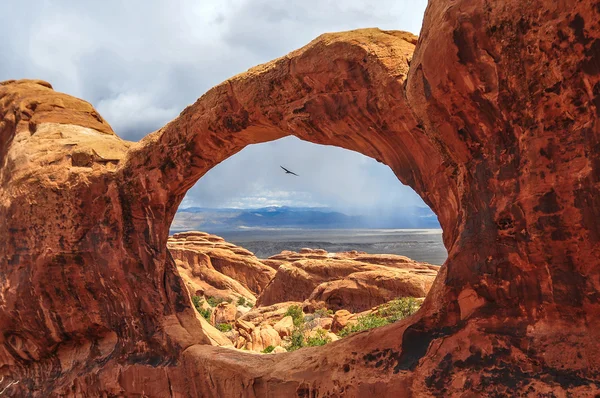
[343,281]
[214,253]
[495,125]
[363,290]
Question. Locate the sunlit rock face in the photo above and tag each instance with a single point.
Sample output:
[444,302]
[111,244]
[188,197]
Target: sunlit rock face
[492,119]
[350,280]
[213,267]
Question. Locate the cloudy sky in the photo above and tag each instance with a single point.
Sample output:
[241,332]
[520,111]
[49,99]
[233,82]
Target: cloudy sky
[140,62]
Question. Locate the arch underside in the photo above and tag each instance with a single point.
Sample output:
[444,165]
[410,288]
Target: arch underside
[504,152]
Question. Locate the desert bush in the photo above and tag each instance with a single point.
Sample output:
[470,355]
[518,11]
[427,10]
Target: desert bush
[206,313]
[323,313]
[224,327]
[197,301]
[364,322]
[296,313]
[390,312]
[297,339]
[320,339]
[245,303]
[214,301]
[400,308]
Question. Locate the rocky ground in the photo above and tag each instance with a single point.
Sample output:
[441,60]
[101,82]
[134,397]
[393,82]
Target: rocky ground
[293,300]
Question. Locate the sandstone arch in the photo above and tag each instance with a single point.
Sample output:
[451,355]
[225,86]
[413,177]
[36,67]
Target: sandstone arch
[494,124]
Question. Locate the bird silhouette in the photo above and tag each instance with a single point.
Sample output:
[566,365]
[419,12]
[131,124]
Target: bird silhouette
[289,172]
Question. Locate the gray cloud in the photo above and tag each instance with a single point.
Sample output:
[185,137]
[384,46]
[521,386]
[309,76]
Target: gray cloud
[140,62]
[328,176]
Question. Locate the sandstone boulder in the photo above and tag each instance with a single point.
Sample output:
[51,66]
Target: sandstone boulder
[285,326]
[360,291]
[244,326]
[340,320]
[269,314]
[263,337]
[224,313]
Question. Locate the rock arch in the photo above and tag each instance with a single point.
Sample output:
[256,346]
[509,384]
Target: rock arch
[492,120]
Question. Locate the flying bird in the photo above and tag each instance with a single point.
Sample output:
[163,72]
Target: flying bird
[289,172]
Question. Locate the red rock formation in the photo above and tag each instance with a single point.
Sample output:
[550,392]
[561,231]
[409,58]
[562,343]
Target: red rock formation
[495,125]
[342,282]
[360,291]
[223,257]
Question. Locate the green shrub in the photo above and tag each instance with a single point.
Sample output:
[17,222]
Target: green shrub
[197,301]
[297,339]
[323,313]
[364,322]
[206,313]
[214,301]
[296,313]
[399,308]
[245,303]
[320,339]
[224,327]
[268,350]
[390,312]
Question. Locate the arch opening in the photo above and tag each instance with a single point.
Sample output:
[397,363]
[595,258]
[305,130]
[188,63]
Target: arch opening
[337,247]
[338,191]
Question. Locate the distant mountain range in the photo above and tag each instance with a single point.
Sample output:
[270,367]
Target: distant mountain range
[215,220]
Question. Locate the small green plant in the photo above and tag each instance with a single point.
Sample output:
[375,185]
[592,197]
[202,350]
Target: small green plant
[364,322]
[224,327]
[400,308]
[197,301]
[214,301]
[206,313]
[245,303]
[323,313]
[320,339]
[390,312]
[296,313]
[268,350]
[297,339]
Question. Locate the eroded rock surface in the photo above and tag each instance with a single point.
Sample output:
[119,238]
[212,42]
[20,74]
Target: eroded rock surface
[492,119]
[205,253]
[344,281]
